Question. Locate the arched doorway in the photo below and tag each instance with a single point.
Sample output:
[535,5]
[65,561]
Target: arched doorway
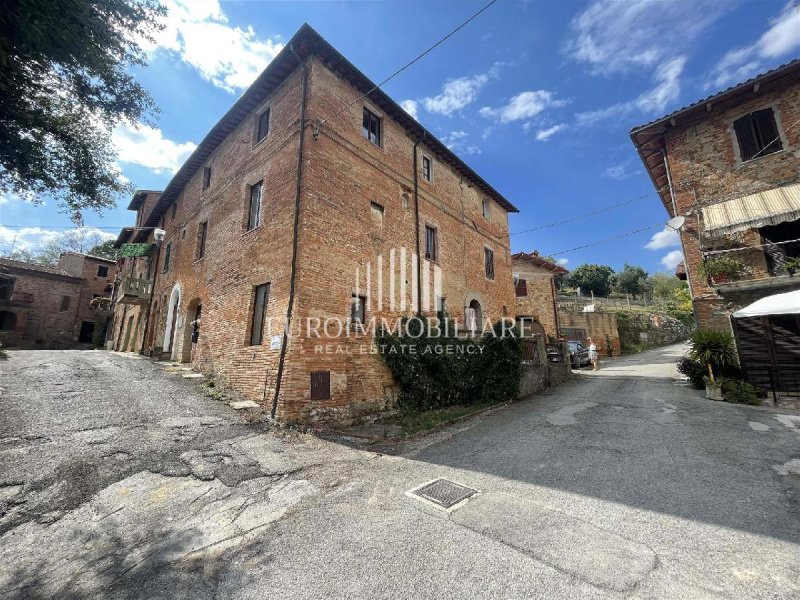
[474,317]
[193,311]
[172,320]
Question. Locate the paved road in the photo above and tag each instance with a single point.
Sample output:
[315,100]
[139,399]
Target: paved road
[121,479]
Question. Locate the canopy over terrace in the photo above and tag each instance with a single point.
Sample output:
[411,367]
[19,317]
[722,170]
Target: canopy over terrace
[787,303]
[769,207]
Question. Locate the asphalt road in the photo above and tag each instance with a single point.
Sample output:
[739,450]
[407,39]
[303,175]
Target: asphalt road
[119,478]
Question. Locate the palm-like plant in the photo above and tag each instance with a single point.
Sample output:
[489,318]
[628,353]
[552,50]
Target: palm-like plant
[713,348]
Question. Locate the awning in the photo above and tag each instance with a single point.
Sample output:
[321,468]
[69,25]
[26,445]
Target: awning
[779,304]
[756,210]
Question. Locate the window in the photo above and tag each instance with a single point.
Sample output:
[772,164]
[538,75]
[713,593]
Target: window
[102,271]
[486,209]
[320,385]
[263,126]
[427,168]
[167,253]
[206,178]
[254,213]
[202,233]
[6,288]
[442,305]
[358,310]
[377,212]
[259,314]
[522,288]
[64,303]
[371,127]
[8,320]
[430,243]
[174,211]
[757,134]
[488,259]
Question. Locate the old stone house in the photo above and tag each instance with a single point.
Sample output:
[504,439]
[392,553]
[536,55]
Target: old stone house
[535,305]
[317,203]
[54,307]
[730,164]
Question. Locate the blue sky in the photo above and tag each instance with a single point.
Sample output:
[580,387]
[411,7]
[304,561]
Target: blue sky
[537,96]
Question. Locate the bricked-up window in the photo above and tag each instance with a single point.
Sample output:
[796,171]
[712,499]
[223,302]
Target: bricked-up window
[167,254]
[206,178]
[358,309]
[102,271]
[427,168]
[263,126]
[488,259]
[522,288]
[65,300]
[202,233]
[254,210]
[430,243]
[371,127]
[320,385]
[757,134]
[259,314]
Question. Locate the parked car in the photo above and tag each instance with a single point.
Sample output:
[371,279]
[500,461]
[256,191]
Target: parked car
[578,354]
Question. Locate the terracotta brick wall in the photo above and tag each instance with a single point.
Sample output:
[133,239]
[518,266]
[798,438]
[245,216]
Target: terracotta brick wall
[601,327]
[539,302]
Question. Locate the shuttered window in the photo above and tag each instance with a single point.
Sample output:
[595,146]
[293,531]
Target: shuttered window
[202,233]
[522,288]
[206,178]
[254,211]
[757,134]
[488,257]
[263,126]
[427,168]
[259,313]
[371,127]
[430,243]
[320,385]
[167,254]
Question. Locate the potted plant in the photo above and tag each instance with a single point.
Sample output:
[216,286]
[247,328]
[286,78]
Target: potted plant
[721,269]
[792,265]
[715,349]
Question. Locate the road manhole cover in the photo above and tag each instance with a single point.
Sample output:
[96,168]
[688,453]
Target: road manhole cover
[443,493]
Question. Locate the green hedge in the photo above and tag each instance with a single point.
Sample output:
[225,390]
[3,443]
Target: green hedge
[435,372]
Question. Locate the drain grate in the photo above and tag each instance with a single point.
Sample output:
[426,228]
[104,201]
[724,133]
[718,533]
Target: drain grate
[444,493]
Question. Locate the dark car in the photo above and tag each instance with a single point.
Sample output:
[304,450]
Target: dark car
[578,354]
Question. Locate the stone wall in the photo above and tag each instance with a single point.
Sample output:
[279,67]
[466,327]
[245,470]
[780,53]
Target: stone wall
[539,303]
[601,327]
[638,331]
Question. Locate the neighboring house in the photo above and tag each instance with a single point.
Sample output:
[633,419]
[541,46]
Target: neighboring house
[535,306]
[52,307]
[132,300]
[730,164]
[316,199]
[602,327]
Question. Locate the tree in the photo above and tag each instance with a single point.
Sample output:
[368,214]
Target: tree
[632,280]
[84,240]
[104,250]
[663,285]
[595,278]
[64,84]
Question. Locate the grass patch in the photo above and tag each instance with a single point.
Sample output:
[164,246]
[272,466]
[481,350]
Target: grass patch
[416,422]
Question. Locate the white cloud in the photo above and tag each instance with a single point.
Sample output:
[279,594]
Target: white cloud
[616,37]
[545,134]
[456,94]
[782,38]
[655,100]
[562,261]
[457,142]
[32,238]
[620,171]
[523,106]
[410,106]
[664,239]
[671,259]
[227,56]
[147,146]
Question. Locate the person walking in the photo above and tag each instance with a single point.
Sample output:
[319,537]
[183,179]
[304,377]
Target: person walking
[195,335]
[593,354]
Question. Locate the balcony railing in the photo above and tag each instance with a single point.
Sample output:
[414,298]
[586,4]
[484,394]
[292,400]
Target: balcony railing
[749,268]
[134,290]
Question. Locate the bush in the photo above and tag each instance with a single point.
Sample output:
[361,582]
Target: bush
[694,370]
[435,372]
[737,391]
[714,349]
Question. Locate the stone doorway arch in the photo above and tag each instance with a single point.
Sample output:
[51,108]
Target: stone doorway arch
[171,327]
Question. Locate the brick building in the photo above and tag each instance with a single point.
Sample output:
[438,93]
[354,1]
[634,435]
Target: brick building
[535,305]
[309,203]
[53,307]
[730,164]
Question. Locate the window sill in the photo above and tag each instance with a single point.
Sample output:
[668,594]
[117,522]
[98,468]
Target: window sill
[259,143]
[742,163]
[249,231]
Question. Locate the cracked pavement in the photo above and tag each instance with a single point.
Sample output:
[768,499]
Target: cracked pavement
[119,478]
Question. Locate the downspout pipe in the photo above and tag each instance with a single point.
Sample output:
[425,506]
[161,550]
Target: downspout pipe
[416,224]
[295,231]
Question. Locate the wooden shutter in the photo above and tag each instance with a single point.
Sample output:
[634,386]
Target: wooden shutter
[320,385]
[745,135]
[259,314]
[522,288]
[767,131]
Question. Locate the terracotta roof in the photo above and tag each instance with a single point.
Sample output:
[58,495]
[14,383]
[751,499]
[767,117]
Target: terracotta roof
[138,198]
[649,139]
[92,256]
[307,42]
[534,258]
[46,269]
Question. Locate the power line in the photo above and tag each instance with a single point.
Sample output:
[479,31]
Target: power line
[65,228]
[608,239]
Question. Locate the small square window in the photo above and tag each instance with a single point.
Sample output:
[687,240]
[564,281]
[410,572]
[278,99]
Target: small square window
[320,385]
[488,257]
[206,178]
[431,251]
[263,126]
[254,207]
[427,168]
[102,271]
[371,127]
[358,310]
